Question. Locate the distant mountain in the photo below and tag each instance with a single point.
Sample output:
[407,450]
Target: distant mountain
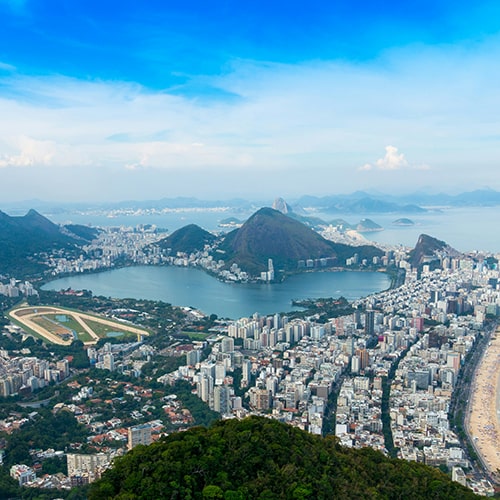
[362,202]
[403,222]
[297,213]
[368,226]
[261,458]
[480,197]
[187,239]
[32,226]
[21,238]
[268,234]
[358,203]
[372,205]
[282,206]
[429,249]
[477,198]
[341,223]
[231,222]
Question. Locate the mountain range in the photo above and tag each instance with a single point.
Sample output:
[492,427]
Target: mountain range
[361,202]
[23,237]
[268,234]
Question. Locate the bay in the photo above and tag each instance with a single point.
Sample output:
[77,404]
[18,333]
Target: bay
[193,287]
[466,229]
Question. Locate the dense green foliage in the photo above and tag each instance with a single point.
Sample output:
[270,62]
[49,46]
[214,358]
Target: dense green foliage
[21,238]
[187,239]
[200,410]
[45,430]
[39,349]
[323,308]
[260,458]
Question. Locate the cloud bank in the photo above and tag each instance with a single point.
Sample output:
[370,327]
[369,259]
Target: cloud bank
[324,117]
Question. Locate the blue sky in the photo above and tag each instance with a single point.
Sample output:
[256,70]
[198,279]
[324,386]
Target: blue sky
[121,100]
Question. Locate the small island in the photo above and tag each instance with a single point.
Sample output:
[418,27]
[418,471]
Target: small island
[231,223]
[403,222]
[368,226]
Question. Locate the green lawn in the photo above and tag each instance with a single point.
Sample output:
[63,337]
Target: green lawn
[101,330]
[196,335]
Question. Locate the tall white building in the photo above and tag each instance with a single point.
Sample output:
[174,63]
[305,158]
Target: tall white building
[139,434]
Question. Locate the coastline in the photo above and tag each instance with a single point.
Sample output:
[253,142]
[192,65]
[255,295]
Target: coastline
[483,423]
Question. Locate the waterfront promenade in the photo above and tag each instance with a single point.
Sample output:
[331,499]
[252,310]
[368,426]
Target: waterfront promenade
[484,407]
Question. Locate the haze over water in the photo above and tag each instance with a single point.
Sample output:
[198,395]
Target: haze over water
[465,229]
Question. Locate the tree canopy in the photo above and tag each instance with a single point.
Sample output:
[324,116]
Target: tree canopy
[261,458]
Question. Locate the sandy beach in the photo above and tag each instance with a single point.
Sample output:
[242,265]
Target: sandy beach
[484,406]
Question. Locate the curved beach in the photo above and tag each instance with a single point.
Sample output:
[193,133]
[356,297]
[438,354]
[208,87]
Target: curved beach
[484,407]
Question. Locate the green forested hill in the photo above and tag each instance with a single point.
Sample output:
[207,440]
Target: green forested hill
[187,239]
[268,234]
[23,237]
[258,458]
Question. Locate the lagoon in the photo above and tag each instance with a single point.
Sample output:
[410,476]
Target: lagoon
[192,287]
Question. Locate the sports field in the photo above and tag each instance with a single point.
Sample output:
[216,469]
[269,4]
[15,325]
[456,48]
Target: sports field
[62,326]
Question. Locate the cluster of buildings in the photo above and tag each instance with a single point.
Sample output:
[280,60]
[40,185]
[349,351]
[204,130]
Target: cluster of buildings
[290,369]
[111,245]
[21,374]
[359,413]
[16,288]
[84,468]
[126,358]
[420,400]
[412,341]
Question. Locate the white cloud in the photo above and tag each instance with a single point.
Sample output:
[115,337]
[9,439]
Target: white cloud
[323,118]
[392,160]
[29,152]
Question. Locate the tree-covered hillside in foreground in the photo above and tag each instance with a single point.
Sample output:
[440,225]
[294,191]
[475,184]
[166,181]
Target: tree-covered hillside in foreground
[258,458]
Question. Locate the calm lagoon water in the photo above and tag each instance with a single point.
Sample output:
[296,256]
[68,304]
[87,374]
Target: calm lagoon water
[465,229]
[193,287]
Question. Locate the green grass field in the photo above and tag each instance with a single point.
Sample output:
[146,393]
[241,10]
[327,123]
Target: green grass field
[196,335]
[64,323]
[102,330]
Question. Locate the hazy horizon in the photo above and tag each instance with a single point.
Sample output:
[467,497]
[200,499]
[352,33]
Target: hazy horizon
[217,100]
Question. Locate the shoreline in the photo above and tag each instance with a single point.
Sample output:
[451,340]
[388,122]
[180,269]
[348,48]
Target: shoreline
[483,424]
[45,280]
